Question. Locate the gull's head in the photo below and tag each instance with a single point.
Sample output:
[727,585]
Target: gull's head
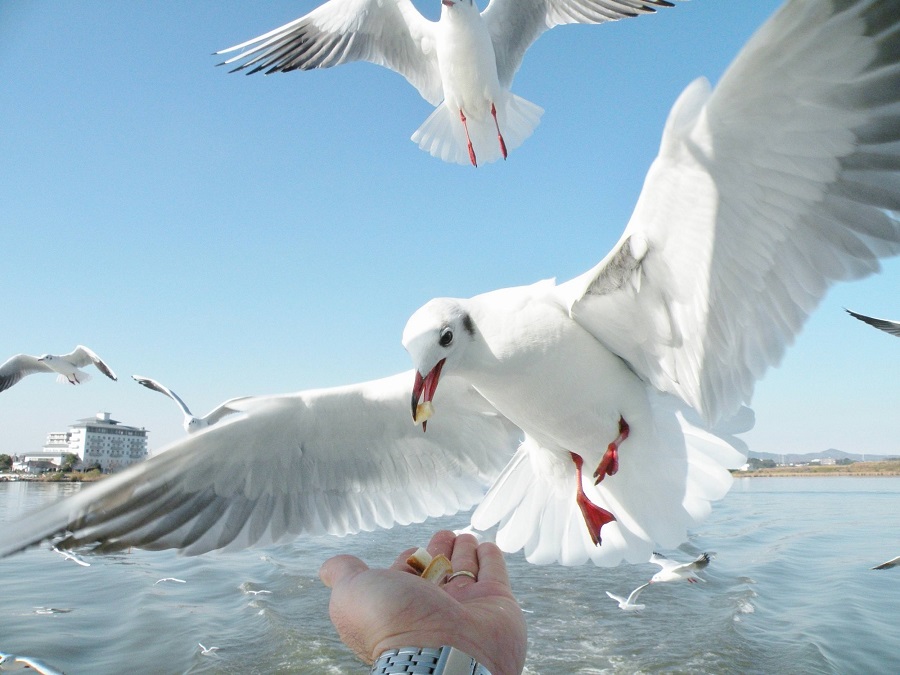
[46,357]
[435,336]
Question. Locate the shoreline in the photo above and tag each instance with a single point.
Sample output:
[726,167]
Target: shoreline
[871,469]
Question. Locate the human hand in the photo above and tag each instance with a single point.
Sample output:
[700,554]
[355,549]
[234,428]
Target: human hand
[379,609]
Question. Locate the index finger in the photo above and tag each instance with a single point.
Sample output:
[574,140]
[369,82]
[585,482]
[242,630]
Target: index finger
[491,565]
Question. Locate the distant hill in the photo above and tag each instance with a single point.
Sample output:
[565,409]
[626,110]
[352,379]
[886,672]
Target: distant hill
[831,453]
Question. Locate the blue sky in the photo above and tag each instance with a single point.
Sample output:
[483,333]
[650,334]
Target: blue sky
[234,235]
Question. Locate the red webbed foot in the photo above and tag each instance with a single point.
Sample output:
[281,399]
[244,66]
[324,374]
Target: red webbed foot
[594,516]
[609,465]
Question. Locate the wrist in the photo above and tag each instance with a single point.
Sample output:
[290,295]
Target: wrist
[427,661]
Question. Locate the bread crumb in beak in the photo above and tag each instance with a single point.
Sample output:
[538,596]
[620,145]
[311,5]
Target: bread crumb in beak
[423,412]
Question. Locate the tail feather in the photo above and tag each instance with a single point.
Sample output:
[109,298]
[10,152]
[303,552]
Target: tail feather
[80,377]
[667,478]
[442,135]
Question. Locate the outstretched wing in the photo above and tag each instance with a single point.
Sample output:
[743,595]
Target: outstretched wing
[82,356]
[163,389]
[514,25]
[664,562]
[18,366]
[765,191]
[892,327]
[389,33]
[229,407]
[636,592]
[331,461]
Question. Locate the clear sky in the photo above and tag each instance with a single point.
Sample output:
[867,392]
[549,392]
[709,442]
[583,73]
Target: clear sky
[232,235]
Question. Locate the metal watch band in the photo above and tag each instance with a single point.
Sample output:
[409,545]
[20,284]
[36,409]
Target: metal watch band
[427,661]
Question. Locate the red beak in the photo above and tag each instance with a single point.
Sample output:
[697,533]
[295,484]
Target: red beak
[424,388]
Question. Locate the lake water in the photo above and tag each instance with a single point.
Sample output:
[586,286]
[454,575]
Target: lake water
[789,591]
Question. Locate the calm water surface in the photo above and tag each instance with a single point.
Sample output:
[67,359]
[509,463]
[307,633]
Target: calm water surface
[789,591]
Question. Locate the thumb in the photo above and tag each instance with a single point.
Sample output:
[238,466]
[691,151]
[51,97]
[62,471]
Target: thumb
[340,568]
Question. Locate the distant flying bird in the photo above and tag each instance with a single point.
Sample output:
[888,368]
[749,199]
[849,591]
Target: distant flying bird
[206,651]
[11,662]
[463,64]
[766,191]
[191,423]
[888,326]
[628,604]
[172,579]
[675,571]
[71,556]
[67,365]
[893,562]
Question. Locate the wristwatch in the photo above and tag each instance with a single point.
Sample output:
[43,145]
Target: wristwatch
[427,661]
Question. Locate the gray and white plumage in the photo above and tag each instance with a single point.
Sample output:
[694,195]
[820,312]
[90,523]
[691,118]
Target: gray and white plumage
[893,562]
[191,422]
[766,191]
[670,570]
[628,604]
[463,63]
[15,663]
[888,326]
[67,367]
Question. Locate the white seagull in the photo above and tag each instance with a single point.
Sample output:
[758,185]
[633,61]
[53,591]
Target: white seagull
[676,571]
[893,562]
[191,422]
[463,64]
[71,556]
[628,604]
[765,192]
[14,662]
[66,365]
[888,326]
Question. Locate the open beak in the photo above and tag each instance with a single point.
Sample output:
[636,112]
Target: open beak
[423,390]
[448,3]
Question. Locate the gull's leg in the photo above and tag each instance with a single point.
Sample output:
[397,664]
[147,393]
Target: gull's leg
[610,462]
[462,118]
[499,135]
[594,516]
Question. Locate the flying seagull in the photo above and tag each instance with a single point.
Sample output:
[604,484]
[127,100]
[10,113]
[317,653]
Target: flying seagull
[628,604]
[893,562]
[888,326]
[71,556]
[191,423]
[463,64]
[67,366]
[675,571]
[765,192]
[11,662]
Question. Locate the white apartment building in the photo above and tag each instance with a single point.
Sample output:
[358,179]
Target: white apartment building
[107,442]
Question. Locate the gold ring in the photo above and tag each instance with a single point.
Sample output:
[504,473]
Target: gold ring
[462,573]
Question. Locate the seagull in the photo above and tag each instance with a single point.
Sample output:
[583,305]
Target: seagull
[675,571]
[888,326]
[206,651]
[173,579]
[893,562]
[191,423]
[71,556]
[11,662]
[67,365]
[463,64]
[594,419]
[628,603]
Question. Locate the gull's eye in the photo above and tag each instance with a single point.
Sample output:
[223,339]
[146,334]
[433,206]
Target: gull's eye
[446,336]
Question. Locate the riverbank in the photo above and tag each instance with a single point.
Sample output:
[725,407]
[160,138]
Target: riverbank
[55,477]
[889,467]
